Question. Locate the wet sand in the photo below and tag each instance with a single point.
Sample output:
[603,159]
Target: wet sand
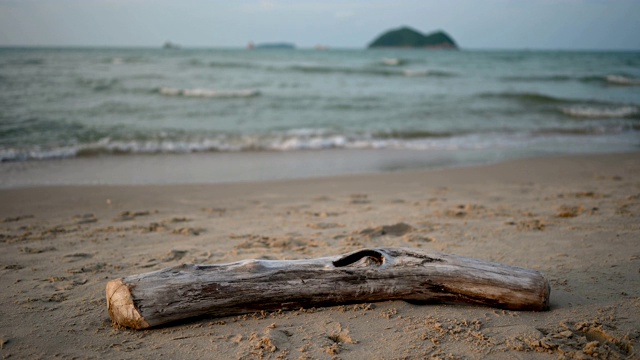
[574,218]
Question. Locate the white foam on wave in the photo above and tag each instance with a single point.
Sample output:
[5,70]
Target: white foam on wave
[300,140]
[306,132]
[392,61]
[591,112]
[310,143]
[622,80]
[12,154]
[208,93]
[155,146]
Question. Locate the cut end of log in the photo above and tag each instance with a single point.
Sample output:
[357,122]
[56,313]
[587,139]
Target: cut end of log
[121,308]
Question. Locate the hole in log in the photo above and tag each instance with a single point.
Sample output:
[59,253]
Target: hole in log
[365,257]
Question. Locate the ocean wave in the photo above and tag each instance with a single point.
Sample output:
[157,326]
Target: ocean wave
[281,142]
[551,78]
[412,134]
[118,60]
[526,97]
[98,84]
[298,140]
[592,79]
[554,78]
[25,62]
[36,153]
[370,71]
[622,80]
[341,70]
[393,61]
[426,72]
[208,93]
[392,68]
[575,108]
[227,64]
[417,73]
[593,112]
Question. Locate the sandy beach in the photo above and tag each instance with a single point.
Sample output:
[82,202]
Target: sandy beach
[573,218]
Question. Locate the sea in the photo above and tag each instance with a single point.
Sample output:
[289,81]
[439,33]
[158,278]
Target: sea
[263,114]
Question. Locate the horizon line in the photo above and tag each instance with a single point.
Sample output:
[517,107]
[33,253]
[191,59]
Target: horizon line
[327,48]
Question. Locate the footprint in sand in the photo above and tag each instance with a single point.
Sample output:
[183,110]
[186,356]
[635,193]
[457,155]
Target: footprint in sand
[76,257]
[465,210]
[568,211]
[324,214]
[92,268]
[398,229]
[174,255]
[187,231]
[215,211]
[592,339]
[324,226]
[155,227]
[130,215]
[254,241]
[418,239]
[16,218]
[532,224]
[176,220]
[84,219]
[359,199]
[289,242]
[322,198]
[29,250]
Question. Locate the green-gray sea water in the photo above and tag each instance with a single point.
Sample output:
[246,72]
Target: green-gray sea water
[68,103]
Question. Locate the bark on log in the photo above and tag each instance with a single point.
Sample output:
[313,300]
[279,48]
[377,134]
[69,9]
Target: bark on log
[368,275]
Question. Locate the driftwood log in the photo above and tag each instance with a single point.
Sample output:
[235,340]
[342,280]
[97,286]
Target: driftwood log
[186,291]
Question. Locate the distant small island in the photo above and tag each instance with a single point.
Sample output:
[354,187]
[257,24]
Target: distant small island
[170,45]
[407,37]
[271,46]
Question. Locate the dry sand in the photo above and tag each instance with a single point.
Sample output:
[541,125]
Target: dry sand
[575,219]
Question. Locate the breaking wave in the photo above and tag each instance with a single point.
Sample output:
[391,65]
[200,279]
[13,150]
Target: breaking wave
[98,84]
[587,109]
[390,71]
[526,97]
[228,64]
[386,67]
[25,62]
[554,78]
[622,80]
[593,79]
[296,140]
[591,112]
[208,93]
[420,73]
[393,61]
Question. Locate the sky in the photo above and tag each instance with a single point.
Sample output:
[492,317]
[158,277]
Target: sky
[474,24]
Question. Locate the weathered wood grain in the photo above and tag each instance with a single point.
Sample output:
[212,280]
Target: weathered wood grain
[186,291]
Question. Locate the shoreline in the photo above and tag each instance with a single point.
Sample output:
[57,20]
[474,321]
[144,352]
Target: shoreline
[573,218]
[249,167]
[515,170]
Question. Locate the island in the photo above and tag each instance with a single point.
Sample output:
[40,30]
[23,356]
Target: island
[406,37]
[170,45]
